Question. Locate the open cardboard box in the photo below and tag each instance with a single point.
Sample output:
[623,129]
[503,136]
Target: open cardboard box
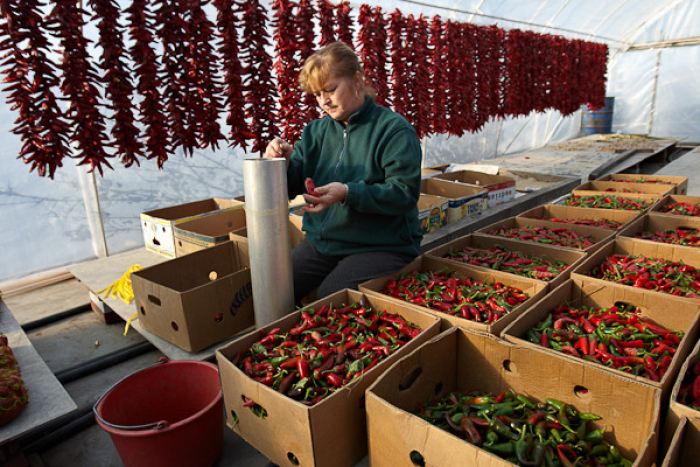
[486,242]
[532,288]
[463,360]
[432,212]
[501,187]
[654,222]
[628,187]
[197,300]
[597,236]
[207,231]
[576,293]
[464,200]
[676,410]
[651,200]
[672,199]
[296,235]
[633,247]
[680,183]
[158,224]
[684,450]
[331,433]
[556,211]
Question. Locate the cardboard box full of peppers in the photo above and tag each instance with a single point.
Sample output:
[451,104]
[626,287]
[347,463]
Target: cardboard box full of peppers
[660,189]
[685,396]
[626,331]
[653,227]
[290,384]
[677,205]
[684,449]
[603,200]
[468,398]
[680,184]
[613,219]
[658,268]
[461,295]
[546,263]
[573,236]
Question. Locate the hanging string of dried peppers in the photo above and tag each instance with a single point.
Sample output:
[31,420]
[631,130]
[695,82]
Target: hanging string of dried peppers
[117,81]
[326,22]
[305,37]
[438,71]
[343,22]
[418,82]
[287,68]
[29,73]
[372,38]
[398,61]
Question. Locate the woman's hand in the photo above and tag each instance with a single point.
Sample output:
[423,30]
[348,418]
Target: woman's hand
[278,148]
[334,192]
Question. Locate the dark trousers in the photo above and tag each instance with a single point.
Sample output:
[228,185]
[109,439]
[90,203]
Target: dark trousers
[333,273]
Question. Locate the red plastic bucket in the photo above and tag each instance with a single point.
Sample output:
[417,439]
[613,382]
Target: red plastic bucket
[168,414]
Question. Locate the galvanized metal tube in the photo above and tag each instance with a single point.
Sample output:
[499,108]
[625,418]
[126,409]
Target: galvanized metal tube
[267,222]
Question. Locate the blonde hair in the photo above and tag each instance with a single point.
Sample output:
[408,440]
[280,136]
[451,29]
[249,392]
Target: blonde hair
[336,60]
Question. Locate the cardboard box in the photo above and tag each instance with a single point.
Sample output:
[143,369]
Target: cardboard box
[628,246]
[432,212]
[331,433]
[676,410]
[645,197]
[672,199]
[296,235]
[429,173]
[628,188]
[501,187]
[585,292]
[207,231]
[464,200]
[684,450]
[680,183]
[532,288]
[197,300]
[556,211]
[527,182]
[158,225]
[486,242]
[460,360]
[598,236]
[655,222]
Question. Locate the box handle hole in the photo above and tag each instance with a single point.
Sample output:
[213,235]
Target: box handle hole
[417,459]
[257,409]
[219,317]
[143,310]
[155,241]
[155,300]
[213,276]
[230,224]
[410,378]
[179,243]
[163,229]
[234,419]
[292,458]
[174,325]
[582,392]
[438,389]
[509,366]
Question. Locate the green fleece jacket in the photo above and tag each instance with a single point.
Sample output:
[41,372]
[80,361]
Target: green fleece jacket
[378,156]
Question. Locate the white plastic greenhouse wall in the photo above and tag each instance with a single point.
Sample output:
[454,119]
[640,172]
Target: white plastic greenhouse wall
[653,70]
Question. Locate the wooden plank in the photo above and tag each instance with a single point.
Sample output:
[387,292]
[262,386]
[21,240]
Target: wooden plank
[48,400]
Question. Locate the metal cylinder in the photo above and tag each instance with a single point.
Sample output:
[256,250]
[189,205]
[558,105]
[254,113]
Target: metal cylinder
[267,223]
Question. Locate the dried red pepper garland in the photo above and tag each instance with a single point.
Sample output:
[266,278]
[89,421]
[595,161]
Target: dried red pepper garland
[682,209]
[372,38]
[206,88]
[141,24]
[79,85]
[465,298]
[399,73]
[467,78]
[560,236]
[489,99]
[503,259]
[689,392]
[305,18]
[603,223]
[438,86]
[287,68]
[329,348]
[617,337]
[516,68]
[29,71]
[229,47]
[257,63]
[656,274]
[418,79]
[326,22]
[344,23]
[607,202]
[117,81]
[684,236]
[452,69]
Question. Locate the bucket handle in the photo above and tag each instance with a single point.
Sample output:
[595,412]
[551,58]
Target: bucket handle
[155,425]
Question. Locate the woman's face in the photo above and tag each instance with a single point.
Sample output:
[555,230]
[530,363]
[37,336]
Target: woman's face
[341,97]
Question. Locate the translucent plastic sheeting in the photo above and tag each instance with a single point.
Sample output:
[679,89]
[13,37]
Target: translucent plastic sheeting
[43,222]
[631,83]
[681,21]
[676,111]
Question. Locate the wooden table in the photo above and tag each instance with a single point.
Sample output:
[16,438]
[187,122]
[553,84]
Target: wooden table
[48,400]
[100,273]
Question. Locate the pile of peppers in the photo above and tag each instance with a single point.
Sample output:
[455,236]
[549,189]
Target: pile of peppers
[640,180]
[464,298]
[681,236]
[616,337]
[657,274]
[682,209]
[511,426]
[603,223]
[607,202]
[689,392]
[327,349]
[501,258]
[560,236]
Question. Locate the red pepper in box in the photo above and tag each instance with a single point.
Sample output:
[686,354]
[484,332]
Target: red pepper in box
[607,202]
[680,236]
[682,209]
[540,234]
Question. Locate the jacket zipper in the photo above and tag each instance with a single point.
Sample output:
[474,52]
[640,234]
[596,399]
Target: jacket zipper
[340,158]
